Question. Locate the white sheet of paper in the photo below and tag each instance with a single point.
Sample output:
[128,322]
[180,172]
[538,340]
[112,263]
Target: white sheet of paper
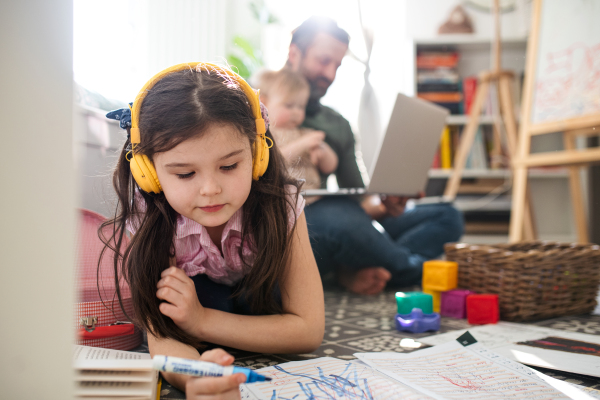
[503,337]
[329,378]
[451,371]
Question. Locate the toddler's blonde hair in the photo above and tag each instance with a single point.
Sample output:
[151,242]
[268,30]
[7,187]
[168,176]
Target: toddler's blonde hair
[284,82]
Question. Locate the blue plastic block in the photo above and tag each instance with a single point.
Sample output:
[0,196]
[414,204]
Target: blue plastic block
[417,322]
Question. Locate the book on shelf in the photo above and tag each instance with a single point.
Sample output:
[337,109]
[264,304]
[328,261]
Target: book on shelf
[114,374]
[445,150]
[478,156]
[435,58]
[441,97]
[438,76]
[469,85]
[436,163]
[438,87]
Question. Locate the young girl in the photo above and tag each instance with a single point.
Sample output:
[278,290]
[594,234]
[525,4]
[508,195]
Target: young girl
[285,93]
[220,250]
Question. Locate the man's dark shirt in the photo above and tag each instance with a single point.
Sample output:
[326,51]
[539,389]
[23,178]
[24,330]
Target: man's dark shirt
[339,136]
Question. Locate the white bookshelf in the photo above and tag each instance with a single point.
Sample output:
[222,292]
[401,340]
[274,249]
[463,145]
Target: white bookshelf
[463,119]
[549,187]
[500,173]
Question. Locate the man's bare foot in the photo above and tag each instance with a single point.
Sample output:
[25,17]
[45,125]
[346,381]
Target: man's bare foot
[367,281]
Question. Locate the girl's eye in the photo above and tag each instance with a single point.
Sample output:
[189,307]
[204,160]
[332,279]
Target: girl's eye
[229,167]
[185,176]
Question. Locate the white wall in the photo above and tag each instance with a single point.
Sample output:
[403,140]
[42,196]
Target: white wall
[120,44]
[37,206]
[425,16]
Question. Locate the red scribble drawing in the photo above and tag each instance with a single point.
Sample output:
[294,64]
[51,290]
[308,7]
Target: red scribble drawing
[463,383]
[568,84]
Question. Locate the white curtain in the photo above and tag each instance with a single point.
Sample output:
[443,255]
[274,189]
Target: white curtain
[369,123]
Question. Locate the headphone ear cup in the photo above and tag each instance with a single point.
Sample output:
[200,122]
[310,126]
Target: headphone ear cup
[260,160]
[144,173]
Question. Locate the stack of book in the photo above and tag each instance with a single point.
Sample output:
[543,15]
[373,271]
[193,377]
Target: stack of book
[437,79]
[114,374]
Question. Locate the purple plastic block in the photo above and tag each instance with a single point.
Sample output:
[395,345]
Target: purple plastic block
[454,303]
[417,322]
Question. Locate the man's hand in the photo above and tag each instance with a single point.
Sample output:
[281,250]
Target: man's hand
[224,387]
[181,301]
[395,205]
[373,206]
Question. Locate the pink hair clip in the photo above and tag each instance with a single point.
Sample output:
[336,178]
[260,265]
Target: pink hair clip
[265,115]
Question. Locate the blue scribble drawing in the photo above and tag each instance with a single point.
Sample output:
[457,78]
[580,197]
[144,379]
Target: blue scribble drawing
[347,385]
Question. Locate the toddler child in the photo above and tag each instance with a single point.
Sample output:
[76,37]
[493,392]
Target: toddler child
[285,93]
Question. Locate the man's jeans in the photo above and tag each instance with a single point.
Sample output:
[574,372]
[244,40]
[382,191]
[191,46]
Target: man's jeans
[343,237]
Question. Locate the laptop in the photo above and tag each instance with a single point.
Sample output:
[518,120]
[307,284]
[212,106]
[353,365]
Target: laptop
[405,153]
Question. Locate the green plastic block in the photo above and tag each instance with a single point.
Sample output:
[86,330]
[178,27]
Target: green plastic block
[409,300]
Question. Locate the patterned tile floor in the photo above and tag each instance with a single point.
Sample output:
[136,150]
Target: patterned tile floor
[365,324]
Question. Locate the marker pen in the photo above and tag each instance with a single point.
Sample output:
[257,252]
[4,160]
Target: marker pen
[202,368]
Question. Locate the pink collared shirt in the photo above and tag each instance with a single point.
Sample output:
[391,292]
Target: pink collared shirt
[196,253]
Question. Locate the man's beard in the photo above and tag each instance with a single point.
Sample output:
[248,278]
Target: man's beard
[317,90]
[316,93]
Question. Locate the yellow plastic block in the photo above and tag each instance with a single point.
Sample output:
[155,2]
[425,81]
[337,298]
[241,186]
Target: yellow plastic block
[437,298]
[440,275]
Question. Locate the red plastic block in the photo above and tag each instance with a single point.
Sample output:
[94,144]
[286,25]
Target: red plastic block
[482,309]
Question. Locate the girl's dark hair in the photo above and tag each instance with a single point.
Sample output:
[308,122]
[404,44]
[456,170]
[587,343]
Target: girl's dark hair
[180,106]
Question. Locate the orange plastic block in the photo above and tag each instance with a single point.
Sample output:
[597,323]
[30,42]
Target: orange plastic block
[440,275]
[437,298]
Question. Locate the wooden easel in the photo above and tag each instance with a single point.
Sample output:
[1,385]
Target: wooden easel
[583,125]
[502,79]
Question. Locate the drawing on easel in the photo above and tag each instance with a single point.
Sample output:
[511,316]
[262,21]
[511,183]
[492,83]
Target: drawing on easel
[567,81]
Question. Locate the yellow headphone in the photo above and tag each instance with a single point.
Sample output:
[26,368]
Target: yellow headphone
[142,168]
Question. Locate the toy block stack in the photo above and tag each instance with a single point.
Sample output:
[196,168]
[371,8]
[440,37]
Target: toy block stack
[439,276]
[420,311]
[415,312]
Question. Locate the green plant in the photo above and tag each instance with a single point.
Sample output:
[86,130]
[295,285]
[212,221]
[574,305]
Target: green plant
[244,56]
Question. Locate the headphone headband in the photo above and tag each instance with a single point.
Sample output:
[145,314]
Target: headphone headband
[253,97]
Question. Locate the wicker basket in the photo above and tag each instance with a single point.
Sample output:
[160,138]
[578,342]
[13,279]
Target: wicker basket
[533,280]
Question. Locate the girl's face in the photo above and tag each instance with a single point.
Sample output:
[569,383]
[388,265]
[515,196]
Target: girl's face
[287,111]
[207,178]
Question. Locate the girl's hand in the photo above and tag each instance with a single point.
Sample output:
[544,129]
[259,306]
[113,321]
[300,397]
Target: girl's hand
[225,387]
[181,301]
